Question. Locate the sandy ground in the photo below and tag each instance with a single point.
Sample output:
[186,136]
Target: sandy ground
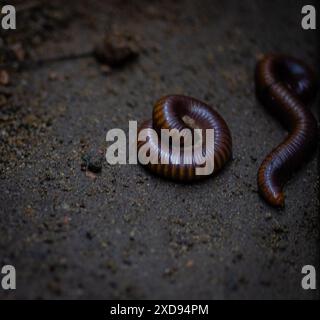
[129,234]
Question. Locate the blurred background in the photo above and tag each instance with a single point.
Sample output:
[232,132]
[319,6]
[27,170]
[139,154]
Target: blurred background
[76,227]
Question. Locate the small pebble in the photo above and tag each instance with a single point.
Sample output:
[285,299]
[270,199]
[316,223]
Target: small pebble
[92,162]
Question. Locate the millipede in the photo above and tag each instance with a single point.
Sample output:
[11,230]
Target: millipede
[181,112]
[286,86]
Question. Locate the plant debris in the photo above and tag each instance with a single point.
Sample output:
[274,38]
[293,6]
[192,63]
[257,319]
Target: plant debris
[116,49]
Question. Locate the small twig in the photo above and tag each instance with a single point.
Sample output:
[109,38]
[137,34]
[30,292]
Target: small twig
[27,64]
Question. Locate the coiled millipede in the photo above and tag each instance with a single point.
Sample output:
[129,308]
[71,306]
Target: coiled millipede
[182,112]
[285,86]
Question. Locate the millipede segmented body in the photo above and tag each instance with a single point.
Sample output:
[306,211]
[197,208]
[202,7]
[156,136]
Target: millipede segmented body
[182,112]
[285,86]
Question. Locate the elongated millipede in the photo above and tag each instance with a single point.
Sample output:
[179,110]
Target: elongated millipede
[182,112]
[286,86]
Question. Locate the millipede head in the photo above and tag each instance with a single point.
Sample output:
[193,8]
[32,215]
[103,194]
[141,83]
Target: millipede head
[291,72]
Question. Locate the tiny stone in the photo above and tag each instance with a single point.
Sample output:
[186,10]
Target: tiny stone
[92,162]
[4,78]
